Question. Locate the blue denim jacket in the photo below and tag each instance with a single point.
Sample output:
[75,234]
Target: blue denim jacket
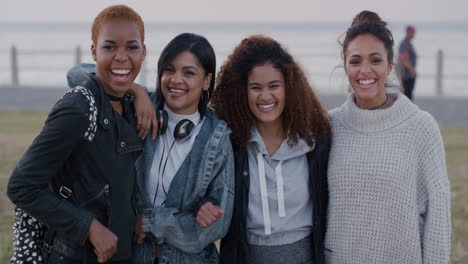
[207,174]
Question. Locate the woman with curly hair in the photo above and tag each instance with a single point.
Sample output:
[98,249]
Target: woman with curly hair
[281,141]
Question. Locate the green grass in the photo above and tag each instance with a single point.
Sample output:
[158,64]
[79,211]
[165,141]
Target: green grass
[18,129]
[456,147]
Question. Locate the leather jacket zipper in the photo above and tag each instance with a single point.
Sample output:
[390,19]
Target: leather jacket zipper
[104,190]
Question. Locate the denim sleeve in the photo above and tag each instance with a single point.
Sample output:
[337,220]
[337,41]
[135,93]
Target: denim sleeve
[78,74]
[28,185]
[179,228]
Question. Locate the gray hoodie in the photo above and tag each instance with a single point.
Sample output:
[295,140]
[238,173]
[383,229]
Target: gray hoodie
[280,204]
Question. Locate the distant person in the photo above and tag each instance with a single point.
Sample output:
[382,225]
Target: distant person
[387,175]
[281,141]
[408,57]
[78,177]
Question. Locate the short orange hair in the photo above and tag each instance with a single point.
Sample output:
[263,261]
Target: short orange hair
[117,13]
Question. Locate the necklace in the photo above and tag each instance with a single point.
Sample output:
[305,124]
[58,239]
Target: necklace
[377,107]
[115,98]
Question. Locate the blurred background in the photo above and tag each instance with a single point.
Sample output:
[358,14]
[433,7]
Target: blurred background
[41,40]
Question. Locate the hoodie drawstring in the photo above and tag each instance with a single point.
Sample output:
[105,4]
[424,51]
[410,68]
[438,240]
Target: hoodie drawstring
[264,192]
[280,189]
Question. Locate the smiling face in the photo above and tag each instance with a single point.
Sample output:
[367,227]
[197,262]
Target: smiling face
[118,52]
[182,83]
[266,94]
[367,68]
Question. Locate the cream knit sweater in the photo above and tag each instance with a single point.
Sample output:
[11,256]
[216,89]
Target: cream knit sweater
[389,190]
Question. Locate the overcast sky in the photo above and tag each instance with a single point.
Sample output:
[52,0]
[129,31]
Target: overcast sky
[238,10]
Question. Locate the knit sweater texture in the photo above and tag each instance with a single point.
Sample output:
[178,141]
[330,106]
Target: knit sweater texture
[389,190]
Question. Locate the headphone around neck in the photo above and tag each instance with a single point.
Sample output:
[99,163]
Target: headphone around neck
[182,130]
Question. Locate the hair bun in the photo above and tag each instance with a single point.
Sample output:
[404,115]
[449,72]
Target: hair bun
[368,16]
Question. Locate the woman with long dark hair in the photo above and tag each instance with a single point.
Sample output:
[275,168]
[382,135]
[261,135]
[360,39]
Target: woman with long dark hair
[190,164]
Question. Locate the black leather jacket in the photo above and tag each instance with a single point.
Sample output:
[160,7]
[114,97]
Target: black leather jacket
[84,138]
[234,245]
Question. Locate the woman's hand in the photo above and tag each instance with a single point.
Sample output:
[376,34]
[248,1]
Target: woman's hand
[144,111]
[103,241]
[208,214]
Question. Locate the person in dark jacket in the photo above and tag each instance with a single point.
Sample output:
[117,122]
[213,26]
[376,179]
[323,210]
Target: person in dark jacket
[89,141]
[407,61]
[281,141]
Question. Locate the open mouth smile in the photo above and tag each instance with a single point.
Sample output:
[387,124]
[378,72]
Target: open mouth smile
[121,75]
[266,106]
[366,83]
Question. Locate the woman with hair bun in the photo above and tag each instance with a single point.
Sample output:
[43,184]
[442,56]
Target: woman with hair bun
[281,141]
[389,190]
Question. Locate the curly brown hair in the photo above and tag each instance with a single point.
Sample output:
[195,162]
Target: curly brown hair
[303,115]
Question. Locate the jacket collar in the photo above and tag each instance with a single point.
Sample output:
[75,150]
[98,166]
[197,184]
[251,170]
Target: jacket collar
[84,74]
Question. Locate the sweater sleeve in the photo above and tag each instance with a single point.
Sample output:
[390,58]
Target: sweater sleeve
[435,220]
[180,229]
[28,186]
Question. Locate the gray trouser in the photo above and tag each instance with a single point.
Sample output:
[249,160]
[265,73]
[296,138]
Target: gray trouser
[299,252]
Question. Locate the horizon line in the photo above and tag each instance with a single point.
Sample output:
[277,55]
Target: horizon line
[227,22]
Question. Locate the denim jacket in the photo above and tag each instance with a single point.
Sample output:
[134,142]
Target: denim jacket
[207,174]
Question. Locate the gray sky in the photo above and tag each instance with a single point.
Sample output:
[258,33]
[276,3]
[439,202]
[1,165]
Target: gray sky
[238,10]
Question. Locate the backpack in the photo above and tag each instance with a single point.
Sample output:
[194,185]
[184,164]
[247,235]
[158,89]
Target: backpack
[32,240]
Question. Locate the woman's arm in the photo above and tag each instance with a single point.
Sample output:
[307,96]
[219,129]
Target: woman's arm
[28,186]
[145,112]
[180,228]
[435,220]
[82,75]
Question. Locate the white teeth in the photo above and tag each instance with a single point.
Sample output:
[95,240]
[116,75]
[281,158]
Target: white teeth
[267,107]
[121,71]
[177,91]
[367,81]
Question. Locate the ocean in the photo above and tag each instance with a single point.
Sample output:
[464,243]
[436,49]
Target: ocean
[47,51]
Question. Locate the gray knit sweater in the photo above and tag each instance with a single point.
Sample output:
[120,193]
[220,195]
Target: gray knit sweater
[389,190]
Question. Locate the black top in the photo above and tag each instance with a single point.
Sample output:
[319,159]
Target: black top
[234,244]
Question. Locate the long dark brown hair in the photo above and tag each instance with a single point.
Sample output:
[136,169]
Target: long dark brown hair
[201,48]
